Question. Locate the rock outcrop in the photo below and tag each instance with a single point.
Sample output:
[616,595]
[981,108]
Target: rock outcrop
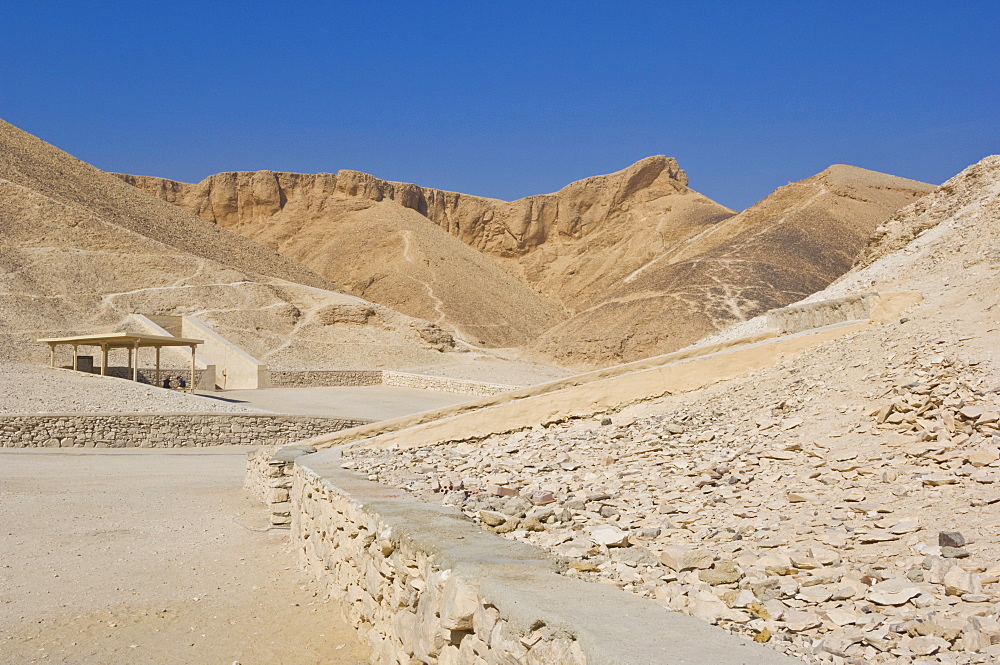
[792,243]
[608,269]
[559,252]
[80,251]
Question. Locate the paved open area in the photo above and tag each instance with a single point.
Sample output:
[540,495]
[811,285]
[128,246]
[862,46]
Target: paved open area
[151,557]
[365,402]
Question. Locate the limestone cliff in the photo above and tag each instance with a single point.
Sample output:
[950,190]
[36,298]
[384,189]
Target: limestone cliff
[790,244]
[568,246]
[80,251]
[610,268]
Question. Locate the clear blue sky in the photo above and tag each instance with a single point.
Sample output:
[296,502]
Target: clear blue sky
[507,99]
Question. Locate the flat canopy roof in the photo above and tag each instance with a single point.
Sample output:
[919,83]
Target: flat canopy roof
[122,339]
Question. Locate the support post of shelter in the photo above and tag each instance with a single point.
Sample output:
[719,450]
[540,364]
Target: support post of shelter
[52,355]
[128,369]
[157,367]
[104,359]
[191,385]
[76,358]
[135,367]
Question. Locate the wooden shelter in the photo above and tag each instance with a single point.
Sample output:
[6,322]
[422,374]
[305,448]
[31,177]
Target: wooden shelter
[130,341]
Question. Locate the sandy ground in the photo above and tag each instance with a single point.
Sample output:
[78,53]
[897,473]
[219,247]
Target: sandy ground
[366,402]
[151,557]
[28,388]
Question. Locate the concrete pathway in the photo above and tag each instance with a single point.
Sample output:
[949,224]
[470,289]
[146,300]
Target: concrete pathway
[151,557]
[365,402]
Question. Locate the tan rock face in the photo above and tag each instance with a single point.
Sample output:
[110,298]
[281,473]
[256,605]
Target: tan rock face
[793,243]
[372,236]
[80,251]
[611,268]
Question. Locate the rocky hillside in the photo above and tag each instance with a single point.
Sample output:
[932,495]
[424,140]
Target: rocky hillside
[80,251]
[840,506]
[560,251]
[792,243]
[368,235]
[608,269]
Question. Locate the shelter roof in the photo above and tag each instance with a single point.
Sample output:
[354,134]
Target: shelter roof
[122,339]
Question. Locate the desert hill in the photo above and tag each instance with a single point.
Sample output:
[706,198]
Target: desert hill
[849,490]
[790,244]
[352,230]
[80,251]
[618,266]
[570,247]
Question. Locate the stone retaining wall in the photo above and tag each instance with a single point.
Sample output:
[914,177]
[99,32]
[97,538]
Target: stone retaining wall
[308,378]
[422,584]
[269,480]
[443,384]
[313,378]
[116,430]
[877,307]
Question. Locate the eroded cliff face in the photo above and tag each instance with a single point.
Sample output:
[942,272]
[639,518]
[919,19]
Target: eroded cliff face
[783,248]
[546,240]
[497,227]
[607,269]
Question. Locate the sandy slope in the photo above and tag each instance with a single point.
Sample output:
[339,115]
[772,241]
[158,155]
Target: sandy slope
[80,251]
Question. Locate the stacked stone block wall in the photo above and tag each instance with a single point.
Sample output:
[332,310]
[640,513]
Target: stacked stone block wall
[307,378]
[797,318]
[332,378]
[422,584]
[77,430]
[443,384]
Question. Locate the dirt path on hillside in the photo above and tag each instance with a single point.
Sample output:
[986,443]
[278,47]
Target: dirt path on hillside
[149,557]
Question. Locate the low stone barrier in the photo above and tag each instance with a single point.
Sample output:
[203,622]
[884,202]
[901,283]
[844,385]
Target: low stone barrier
[864,306]
[423,584]
[173,430]
[269,480]
[443,384]
[307,378]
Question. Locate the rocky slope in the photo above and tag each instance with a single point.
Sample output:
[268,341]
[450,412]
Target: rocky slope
[839,506]
[80,251]
[561,250]
[638,262]
[356,231]
[790,244]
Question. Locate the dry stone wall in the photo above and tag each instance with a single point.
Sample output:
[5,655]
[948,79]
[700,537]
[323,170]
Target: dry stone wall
[424,585]
[308,378]
[76,430]
[269,479]
[316,378]
[443,384]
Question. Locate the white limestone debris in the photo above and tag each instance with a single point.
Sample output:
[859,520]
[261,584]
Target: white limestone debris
[834,527]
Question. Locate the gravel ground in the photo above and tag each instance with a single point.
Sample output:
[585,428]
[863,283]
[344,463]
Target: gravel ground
[40,390]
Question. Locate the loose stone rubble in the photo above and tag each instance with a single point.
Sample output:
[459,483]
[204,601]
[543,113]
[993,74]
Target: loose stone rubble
[848,518]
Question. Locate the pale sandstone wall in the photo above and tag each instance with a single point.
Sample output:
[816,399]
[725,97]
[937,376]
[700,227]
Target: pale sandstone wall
[443,384]
[308,378]
[313,378]
[160,430]
[805,316]
[424,585]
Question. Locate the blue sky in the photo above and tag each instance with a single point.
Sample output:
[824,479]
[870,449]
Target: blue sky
[508,99]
